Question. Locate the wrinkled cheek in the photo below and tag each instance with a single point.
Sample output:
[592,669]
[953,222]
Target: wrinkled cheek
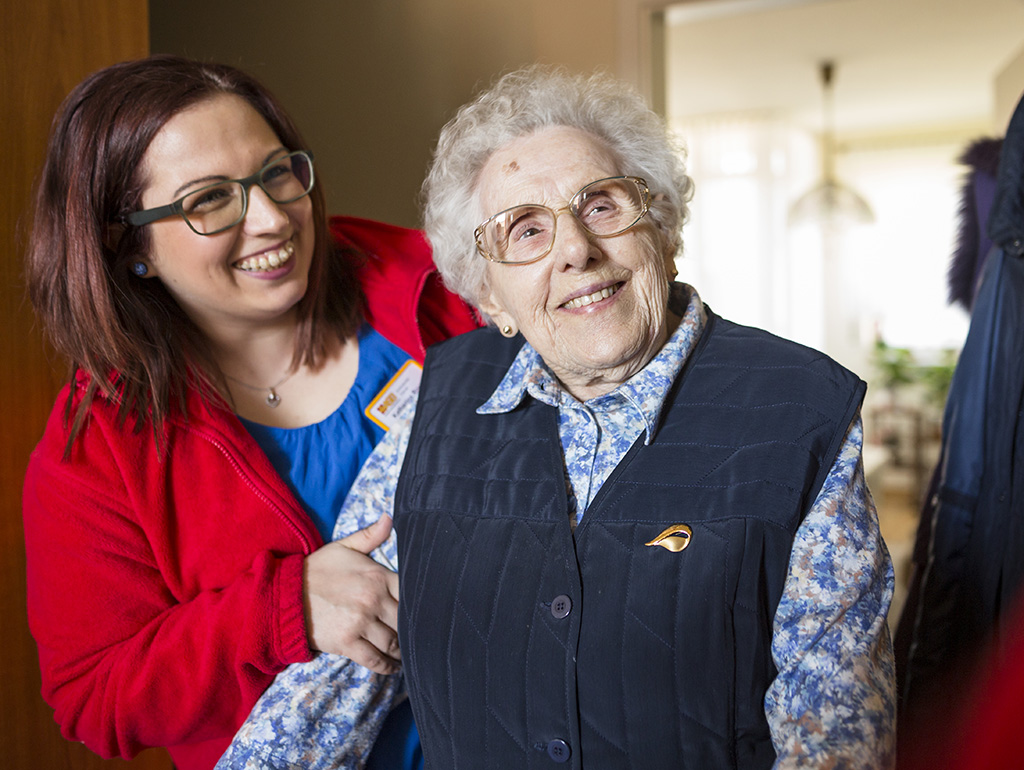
[528,309]
[543,331]
[654,294]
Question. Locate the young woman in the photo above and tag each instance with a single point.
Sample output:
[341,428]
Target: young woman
[223,367]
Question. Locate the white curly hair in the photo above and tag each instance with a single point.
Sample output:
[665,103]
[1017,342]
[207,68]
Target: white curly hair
[526,101]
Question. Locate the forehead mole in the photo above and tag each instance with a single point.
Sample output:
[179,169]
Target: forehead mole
[509,167]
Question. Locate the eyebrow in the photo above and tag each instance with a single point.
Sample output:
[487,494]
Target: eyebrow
[214,178]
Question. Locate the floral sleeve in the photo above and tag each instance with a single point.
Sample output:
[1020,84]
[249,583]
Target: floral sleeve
[833,701]
[326,714]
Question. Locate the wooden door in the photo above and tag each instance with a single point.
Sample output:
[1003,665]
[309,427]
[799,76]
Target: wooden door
[46,47]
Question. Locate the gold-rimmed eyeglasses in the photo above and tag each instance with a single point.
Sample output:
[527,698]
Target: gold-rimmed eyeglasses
[220,206]
[526,233]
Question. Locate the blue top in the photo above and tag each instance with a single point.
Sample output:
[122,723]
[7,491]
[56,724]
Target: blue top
[319,462]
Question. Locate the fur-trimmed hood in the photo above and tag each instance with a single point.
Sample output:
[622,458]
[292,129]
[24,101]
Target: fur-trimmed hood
[972,241]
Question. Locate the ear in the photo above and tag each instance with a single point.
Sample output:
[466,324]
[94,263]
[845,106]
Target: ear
[670,264]
[112,236]
[494,309]
[669,252]
[112,241]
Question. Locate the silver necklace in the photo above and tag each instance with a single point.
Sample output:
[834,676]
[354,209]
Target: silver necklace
[272,398]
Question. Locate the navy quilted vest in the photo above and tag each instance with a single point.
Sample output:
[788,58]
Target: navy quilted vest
[527,646]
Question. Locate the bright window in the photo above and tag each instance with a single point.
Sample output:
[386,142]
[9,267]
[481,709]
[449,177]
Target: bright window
[837,288]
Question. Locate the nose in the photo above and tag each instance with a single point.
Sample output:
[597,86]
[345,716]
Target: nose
[263,215]
[574,247]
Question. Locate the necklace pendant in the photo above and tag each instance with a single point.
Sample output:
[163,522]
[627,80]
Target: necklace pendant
[272,398]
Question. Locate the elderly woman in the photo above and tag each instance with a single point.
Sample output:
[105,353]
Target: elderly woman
[631,533]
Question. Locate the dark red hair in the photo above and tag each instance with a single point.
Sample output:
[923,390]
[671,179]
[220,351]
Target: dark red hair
[129,335]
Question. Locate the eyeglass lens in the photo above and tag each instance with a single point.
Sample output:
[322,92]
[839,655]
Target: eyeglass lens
[220,206]
[525,233]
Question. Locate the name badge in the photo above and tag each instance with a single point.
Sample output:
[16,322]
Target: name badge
[399,392]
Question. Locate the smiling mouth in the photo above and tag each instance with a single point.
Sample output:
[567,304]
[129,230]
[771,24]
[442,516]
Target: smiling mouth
[268,260]
[590,299]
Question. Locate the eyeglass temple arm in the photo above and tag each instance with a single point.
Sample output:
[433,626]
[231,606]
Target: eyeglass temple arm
[139,218]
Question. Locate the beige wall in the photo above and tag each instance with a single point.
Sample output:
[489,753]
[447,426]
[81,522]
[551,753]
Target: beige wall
[371,83]
[1009,91]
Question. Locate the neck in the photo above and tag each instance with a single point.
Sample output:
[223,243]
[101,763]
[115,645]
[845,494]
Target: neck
[258,356]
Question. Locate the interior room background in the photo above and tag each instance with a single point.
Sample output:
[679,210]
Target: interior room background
[371,83]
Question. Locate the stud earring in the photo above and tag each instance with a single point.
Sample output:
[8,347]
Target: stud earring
[507,331]
[140,269]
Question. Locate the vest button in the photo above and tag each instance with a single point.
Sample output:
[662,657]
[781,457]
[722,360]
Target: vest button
[559,750]
[561,606]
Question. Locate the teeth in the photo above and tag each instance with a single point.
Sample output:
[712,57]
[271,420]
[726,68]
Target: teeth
[590,299]
[268,260]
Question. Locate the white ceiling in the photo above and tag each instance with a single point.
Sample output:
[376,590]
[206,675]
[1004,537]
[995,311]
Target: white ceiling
[901,65]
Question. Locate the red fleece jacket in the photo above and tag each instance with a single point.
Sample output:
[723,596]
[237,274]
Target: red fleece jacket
[165,593]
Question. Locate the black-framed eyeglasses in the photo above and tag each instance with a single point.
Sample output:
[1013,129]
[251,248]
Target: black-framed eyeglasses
[222,205]
[524,234]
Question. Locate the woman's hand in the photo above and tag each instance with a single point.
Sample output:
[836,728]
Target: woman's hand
[352,601]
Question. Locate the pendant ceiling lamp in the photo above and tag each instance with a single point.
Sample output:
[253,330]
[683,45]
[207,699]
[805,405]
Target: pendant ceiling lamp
[830,200]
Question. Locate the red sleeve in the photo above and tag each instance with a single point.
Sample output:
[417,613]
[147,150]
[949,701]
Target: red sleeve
[153,630]
[406,300]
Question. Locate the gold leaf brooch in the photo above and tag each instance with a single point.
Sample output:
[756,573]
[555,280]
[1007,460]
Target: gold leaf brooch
[674,538]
